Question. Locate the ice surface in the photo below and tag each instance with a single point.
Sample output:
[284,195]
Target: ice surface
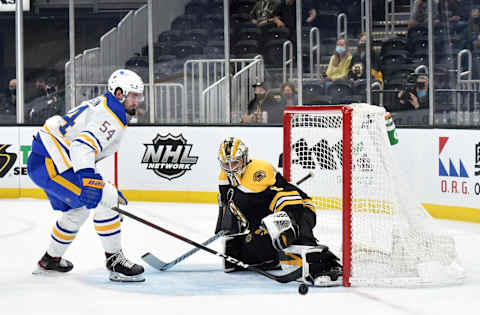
[197,285]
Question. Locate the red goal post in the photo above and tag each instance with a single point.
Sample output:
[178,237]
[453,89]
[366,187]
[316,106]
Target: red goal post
[365,213]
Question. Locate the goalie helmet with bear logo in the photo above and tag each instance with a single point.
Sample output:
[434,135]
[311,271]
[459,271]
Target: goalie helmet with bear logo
[233,158]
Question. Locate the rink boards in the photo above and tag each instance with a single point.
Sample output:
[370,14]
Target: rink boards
[179,164]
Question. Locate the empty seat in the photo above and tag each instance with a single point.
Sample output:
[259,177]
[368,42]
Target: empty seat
[277,33]
[183,22]
[185,49]
[395,43]
[212,21]
[169,36]
[244,47]
[273,52]
[214,48]
[341,91]
[249,33]
[196,35]
[196,8]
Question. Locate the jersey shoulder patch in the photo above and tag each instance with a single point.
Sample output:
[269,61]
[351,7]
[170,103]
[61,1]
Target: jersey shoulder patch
[258,176]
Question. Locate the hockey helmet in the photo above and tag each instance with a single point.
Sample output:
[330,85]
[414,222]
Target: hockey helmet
[233,156]
[126,80]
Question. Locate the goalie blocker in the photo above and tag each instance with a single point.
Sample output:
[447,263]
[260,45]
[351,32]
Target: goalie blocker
[263,215]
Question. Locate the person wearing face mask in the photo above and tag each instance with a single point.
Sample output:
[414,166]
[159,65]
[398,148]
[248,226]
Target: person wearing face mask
[339,65]
[256,108]
[417,98]
[359,62]
[9,104]
[288,95]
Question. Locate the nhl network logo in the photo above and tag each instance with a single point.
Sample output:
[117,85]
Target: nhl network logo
[169,156]
[7,160]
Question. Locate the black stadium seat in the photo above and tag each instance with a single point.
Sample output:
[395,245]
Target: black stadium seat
[185,49]
[246,47]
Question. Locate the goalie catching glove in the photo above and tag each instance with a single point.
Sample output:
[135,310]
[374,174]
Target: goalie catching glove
[282,230]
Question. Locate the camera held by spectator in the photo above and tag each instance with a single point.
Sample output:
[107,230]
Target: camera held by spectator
[415,91]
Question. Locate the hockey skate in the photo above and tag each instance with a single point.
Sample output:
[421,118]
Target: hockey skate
[48,264]
[123,270]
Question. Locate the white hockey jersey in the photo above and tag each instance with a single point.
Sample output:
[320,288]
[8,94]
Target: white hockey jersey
[86,134]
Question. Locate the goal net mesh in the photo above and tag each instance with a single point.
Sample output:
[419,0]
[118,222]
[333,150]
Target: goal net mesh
[394,241]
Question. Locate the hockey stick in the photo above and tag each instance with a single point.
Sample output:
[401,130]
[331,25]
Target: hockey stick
[292,276]
[160,265]
[301,180]
[156,263]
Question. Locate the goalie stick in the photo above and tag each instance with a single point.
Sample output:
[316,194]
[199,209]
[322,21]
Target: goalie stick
[156,263]
[292,276]
[160,265]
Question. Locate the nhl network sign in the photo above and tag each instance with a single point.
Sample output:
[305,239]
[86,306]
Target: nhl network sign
[169,156]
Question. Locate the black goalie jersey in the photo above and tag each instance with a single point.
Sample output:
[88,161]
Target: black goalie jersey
[262,191]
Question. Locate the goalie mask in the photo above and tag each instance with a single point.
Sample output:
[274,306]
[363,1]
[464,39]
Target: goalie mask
[233,158]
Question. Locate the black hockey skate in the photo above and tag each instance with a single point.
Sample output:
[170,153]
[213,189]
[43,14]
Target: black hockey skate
[48,263]
[123,270]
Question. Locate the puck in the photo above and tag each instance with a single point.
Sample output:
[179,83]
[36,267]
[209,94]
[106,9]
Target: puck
[303,289]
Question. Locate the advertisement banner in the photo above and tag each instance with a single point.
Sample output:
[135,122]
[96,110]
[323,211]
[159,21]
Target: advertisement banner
[185,158]
[10,158]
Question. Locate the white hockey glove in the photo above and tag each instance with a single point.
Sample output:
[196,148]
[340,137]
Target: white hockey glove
[281,229]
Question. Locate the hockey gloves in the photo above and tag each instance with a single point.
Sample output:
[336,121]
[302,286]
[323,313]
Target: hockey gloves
[121,199]
[92,187]
[282,230]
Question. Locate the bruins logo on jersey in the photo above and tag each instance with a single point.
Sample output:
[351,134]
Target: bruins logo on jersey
[258,176]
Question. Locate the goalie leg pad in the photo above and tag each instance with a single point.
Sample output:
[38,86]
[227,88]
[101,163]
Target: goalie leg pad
[253,249]
[320,267]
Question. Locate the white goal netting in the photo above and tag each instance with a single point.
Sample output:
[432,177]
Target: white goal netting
[394,241]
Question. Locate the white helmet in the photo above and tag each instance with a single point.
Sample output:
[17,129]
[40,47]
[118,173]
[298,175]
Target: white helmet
[127,80]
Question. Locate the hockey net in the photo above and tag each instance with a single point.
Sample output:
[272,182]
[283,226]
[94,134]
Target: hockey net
[365,214]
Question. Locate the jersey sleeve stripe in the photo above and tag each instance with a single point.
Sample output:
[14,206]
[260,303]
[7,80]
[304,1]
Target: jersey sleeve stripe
[113,114]
[67,143]
[96,139]
[281,194]
[288,203]
[85,143]
[89,140]
[308,203]
[56,151]
[52,173]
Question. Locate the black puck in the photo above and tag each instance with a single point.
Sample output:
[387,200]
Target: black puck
[303,289]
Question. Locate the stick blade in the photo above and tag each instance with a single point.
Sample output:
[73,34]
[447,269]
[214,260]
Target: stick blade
[153,261]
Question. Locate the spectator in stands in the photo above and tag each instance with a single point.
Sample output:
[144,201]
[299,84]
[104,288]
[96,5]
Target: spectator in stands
[8,105]
[288,95]
[339,65]
[50,102]
[265,12]
[359,61]
[288,16]
[471,35]
[416,98]
[420,13]
[256,111]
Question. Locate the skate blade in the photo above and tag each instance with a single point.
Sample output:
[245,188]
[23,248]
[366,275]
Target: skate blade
[325,281]
[39,271]
[118,277]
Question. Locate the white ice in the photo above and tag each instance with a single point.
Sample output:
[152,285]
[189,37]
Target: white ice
[197,285]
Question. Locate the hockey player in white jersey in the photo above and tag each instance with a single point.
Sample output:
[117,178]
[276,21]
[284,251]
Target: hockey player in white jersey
[63,163]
